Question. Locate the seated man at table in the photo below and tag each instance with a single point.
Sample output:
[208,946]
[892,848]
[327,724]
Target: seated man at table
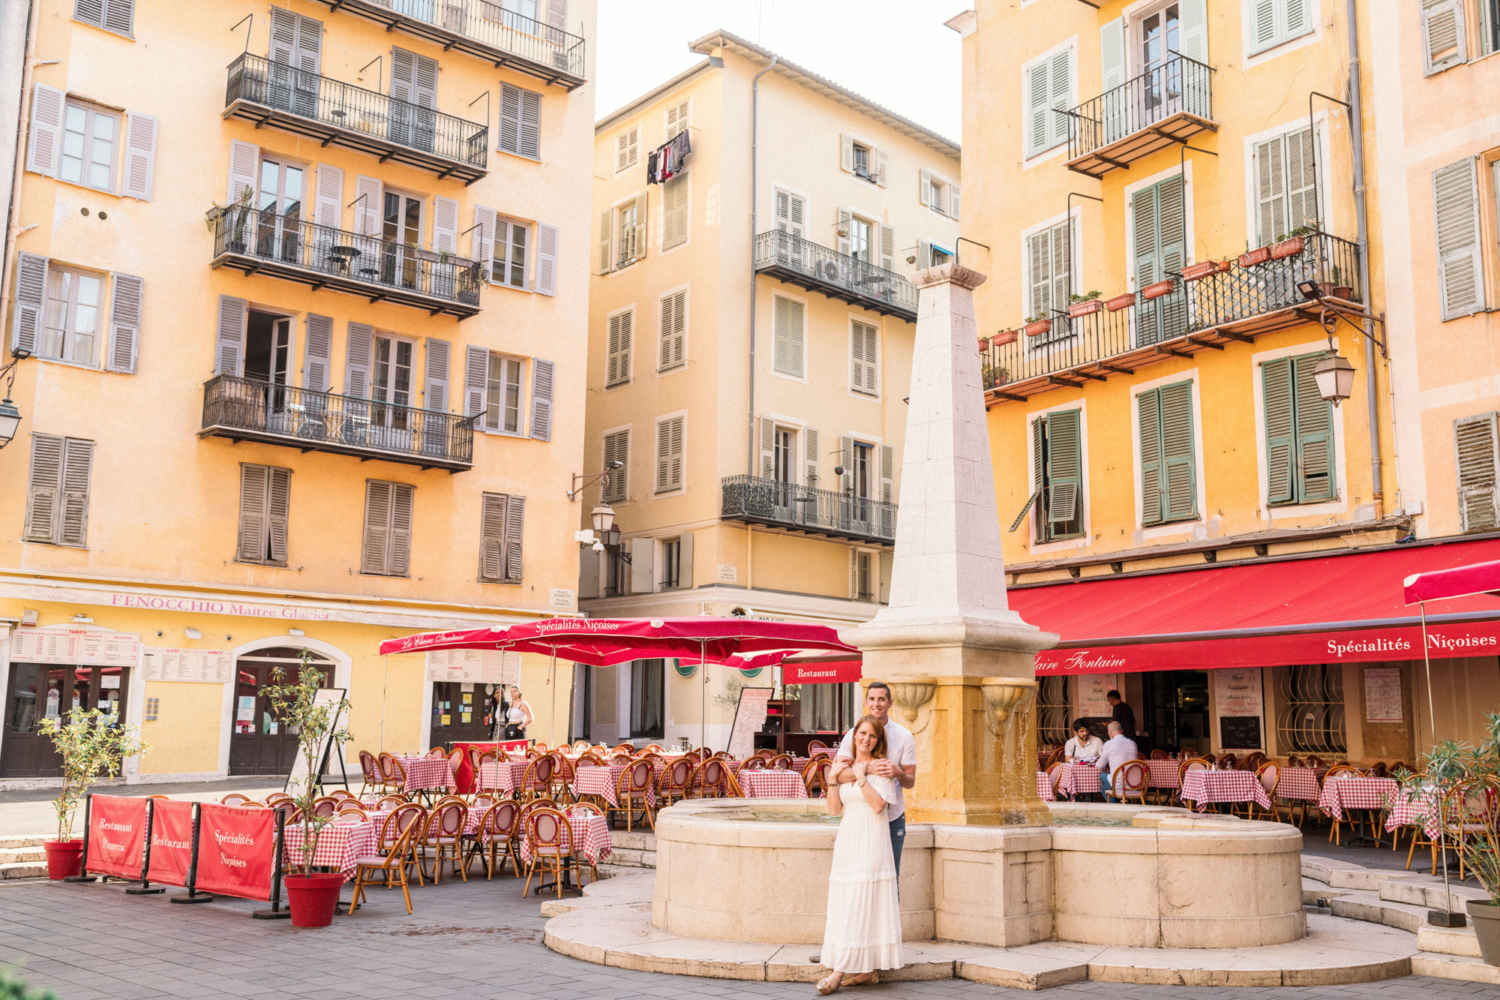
[1117,751]
[1084,746]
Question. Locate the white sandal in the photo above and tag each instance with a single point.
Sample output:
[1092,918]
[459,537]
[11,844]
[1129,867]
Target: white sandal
[825,988]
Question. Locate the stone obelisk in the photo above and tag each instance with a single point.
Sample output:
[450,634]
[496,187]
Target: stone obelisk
[960,663]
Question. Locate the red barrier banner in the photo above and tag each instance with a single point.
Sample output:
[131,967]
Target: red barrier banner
[117,835]
[171,842]
[236,850]
[514,746]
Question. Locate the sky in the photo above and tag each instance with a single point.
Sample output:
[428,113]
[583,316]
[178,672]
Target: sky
[894,52]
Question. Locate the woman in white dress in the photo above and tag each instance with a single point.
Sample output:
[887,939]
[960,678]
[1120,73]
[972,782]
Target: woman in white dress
[518,716]
[863,933]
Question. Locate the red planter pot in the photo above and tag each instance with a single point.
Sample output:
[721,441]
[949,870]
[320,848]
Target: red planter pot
[1257,256]
[1120,302]
[1157,290]
[1085,308]
[1195,271]
[312,898]
[1342,292]
[1289,248]
[1002,338]
[1038,328]
[64,858]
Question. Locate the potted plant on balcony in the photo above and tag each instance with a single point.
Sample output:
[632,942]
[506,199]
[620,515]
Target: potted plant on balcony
[1037,325]
[1085,304]
[1251,258]
[1120,302]
[1195,272]
[1157,289]
[993,376]
[1291,244]
[311,896]
[1004,337]
[1339,289]
[240,211]
[93,745]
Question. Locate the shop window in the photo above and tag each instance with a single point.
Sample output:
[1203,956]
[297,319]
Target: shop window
[1054,710]
[647,698]
[1310,710]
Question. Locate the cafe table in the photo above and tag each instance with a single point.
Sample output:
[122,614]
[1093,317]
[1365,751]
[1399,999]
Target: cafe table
[502,776]
[1204,787]
[1359,793]
[771,785]
[1044,787]
[428,774]
[1078,779]
[1298,783]
[340,845]
[604,782]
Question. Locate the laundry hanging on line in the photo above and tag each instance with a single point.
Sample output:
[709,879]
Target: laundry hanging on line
[667,160]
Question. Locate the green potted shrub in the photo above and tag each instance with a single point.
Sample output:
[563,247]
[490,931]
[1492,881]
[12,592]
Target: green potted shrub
[1482,854]
[241,211]
[1037,325]
[1291,244]
[312,896]
[93,745]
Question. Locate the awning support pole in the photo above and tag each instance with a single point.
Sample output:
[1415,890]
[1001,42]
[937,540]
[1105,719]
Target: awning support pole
[1442,803]
[703,694]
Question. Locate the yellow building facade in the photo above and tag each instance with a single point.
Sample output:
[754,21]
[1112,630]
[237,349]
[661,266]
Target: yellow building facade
[333,414]
[759,475]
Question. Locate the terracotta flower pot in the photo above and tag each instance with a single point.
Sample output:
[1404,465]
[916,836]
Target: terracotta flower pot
[1120,302]
[1003,337]
[312,898]
[1257,256]
[1193,272]
[1157,290]
[1289,248]
[1224,266]
[1038,328]
[1342,292]
[64,858]
[1486,919]
[1085,308]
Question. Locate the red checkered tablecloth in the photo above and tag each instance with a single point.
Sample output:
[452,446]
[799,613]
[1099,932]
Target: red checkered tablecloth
[1354,792]
[1203,786]
[428,773]
[1044,787]
[605,782]
[772,785]
[504,777]
[1163,773]
[1299,783]
[1078,779]
[590,834]
[340,845]
[1421,810]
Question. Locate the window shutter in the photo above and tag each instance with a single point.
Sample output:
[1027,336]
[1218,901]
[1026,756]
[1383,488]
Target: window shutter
[846,220]
[374,558]
[510,119]
[663,456]
[1064,467]
[1263,31]
[309,58]
[1172,248]
[1179,481]
[673,331]
[140,155]
[767,448]
[401,502]
[403,79]
[605,260]
[482,248]
[617,449]
[77,469]
[1151,464]
[1062,273]
[283,36]
[953,200]
[435,396]
[638,234]
[1296,19]
[476,379]
[887,473]
[1192,38]
[621,331]
[677,119]
[492,536]
[685,562]
[542,373]
[424,86]
[444,225]
[924,255]
[124,323]
[330,205]
[642,555]
[368,194]
[500,262]
[846,459]
[43,495]
[361,348]
[789,335]
[515,524]
[1271,187]
[628,148]
[1301,190]
[1475,448]
[89,12]
[1112,53]
[1062,98]
[44,145]
[674,229]
[1314,415]
[1038,93]
[317,353]
[882,166]
[229,345]
[677,447]
[546,259]
[557,14]
[531,125]
[31,294]
[1143,207]
[1276,381]
[857,357]
[278,511]
[865,358]
[810,455]
[1455,193]
[1443,41]
[1039,259]
[1038,479]
[924,185]
[244,164]
[846,152]
[119,16]
[888,247]
[253,513]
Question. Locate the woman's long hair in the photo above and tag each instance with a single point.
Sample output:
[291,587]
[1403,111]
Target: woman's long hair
[878,751]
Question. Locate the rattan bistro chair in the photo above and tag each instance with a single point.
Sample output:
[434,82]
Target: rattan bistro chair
[1129,781]
[632,793]
[676,778]
[390,867]
[549,840]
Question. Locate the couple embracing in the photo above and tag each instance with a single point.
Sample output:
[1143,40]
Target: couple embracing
[875,764]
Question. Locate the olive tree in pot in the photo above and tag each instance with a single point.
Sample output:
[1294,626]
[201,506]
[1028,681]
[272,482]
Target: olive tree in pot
[93,745]
[1482,853]
[311,896]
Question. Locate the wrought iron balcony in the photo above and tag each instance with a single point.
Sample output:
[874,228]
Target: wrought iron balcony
[807,510]
[1234,303]
[1161,108]
[290,247]
[244,409]
[482,29]
[839,276]
[337,114]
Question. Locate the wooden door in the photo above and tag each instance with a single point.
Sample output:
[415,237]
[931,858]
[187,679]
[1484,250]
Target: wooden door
[260,743]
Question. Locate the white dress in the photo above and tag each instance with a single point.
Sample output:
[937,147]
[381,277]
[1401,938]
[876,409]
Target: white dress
[863,932]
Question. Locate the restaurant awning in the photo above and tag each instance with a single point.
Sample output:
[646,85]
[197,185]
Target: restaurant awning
[1323,609]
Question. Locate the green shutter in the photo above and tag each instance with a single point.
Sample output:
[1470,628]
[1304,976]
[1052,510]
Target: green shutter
[1151,467]
[1064,468]
[1180,479]
[1276,378]
[1038,476]
[1160,252]
[1147,268]
[1315,462]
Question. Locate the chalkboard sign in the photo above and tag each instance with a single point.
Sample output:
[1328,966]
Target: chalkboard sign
[1239,732]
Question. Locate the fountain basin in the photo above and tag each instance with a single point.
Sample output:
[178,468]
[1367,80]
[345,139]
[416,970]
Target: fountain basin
[1154,877]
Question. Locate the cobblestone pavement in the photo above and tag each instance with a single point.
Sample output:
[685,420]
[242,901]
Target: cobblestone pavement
[479,940]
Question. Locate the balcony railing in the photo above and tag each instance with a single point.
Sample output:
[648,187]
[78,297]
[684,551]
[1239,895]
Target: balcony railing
[1236,304]
[837,275]
[807,509]
[337,114]
[482,29]
[1160,108]
[290,247]
[249,409]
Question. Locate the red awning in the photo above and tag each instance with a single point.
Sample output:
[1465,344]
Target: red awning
[1309,610]
[822,670]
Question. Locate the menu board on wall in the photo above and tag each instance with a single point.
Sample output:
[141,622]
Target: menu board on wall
[79,646]
[1383,695]
[1237,693]
[486,666]
[1090,701]
[204,666]
[749,719]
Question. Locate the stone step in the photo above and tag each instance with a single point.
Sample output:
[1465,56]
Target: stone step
[1368,906]
[628,858]
[31,840]
[22,869]
[1421,892]
[1459,941]
[1461,967]
[10,855]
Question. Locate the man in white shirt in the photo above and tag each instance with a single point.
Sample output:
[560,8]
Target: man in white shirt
[1084,746]
[1117,751]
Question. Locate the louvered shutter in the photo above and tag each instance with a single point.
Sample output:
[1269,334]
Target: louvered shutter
[309,58]
[557,16]
[673,331]
[124,323]
[244,163]
[1301,184]
[229,344]
[401,517]
[1270,184]
[663,455]
[435,396]
[44,145]
[515,524]
[865,357]
[1038,96]
[685,562]
[954,200]
[253,513]
[530,143]
[924,255]
[330,205]
[444,225]
[638,234]
[283,36]
[1064,467]
[1179,482]
[628,148]
[1192,38]
[621,333]
[617,449]
[1475,451]
[810,456]
[846,152]
[1172,253]
[1149,404]
[476,379]
[89,12]
[924,188]
[846,221]
[887,474]
[677,119]
[1455,193]
[1062,96]
[492,536]
[317,353]
[846,459]
[1039,267]
[140,155]
[482,248]
[360,354]
[1263,30]
[882,166]
[510,118]
[546,259]
[888,247]
[1276,382]
[1038,480]
[857,357]
[31,295]
[674,229]
[542,374]
[368,194]
[278,511]
[767,448]
[377,533]
[1296,19]
[44,488]
[77,470]
[1114,104]
[1314,427]
[1443,35]
[119,16]
[606,261]
[676,449]
[789,336]
[1061,272]
[403,85]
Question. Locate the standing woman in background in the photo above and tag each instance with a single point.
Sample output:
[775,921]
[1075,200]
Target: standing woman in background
[518,716]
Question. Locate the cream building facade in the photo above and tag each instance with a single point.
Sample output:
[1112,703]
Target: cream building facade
[337,413]
[760,474]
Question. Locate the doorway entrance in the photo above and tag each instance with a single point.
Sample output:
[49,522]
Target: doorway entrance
[1176,710]
[40,691]
[260,742]
[461,713]
[401,229]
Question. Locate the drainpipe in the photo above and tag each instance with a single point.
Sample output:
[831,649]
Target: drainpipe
[754,223]
[1356,135]
[12,219]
